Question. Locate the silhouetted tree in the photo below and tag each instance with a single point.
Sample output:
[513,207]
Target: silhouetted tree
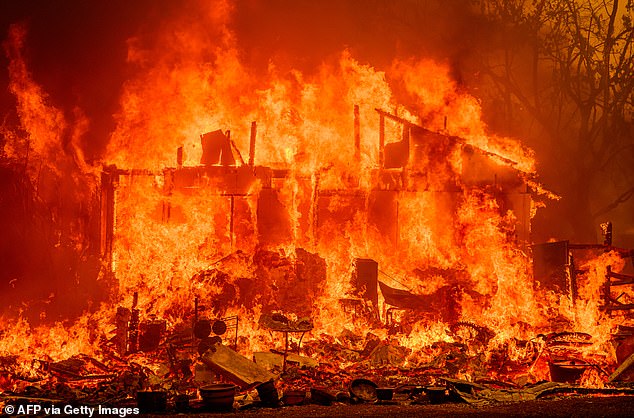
[567,66]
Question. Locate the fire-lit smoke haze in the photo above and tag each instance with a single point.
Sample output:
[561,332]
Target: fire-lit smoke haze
[139,217]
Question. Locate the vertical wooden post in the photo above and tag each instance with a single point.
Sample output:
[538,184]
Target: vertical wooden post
[381,140]
[108,207]
[285,351]
[235,341]
[357,134]
[398,226]
[607,234]
[315,210]
[231,237]
[406,138]
[252,144]
[179,157]
[607,288]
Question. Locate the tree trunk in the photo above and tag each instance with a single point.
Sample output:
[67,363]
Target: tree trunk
[578,211]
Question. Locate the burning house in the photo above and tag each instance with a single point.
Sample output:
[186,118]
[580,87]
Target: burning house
[247,208]
[390,251]
[277,239]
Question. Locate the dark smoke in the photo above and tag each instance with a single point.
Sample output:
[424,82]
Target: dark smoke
[77,51]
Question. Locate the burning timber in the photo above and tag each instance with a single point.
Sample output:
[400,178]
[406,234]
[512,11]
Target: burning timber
[239,285]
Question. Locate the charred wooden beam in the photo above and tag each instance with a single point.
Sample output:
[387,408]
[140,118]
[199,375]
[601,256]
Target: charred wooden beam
[357,134]
[235,148]
[122,321]
[622,251]
[179,157]
[133,327]
[232,237]
[622,368]
[606,228]
[619,307]
[109,182]
[252,144]
[235,367]
[381,139]
[135,172]
[397,118]
[383,114]
[623,279]
[365,279]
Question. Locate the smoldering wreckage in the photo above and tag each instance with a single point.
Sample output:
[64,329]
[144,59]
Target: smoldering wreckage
[280,318]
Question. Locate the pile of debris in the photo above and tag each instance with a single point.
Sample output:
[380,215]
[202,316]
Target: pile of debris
[163,375]
[196,364]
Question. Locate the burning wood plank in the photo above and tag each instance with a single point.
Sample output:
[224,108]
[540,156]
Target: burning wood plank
[622,368]
[235,367]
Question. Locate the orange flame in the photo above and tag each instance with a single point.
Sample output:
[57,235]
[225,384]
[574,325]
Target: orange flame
[446,230]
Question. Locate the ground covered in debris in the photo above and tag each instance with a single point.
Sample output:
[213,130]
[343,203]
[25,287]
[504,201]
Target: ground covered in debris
[584,406]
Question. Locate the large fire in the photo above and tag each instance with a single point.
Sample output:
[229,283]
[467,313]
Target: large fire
[319,174]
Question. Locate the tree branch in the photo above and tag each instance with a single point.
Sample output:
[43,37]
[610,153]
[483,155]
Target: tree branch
[623,197]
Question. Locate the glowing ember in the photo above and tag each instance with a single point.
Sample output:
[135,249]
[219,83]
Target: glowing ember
[442,206]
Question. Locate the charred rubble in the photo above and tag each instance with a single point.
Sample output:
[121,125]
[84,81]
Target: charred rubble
[198,363]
